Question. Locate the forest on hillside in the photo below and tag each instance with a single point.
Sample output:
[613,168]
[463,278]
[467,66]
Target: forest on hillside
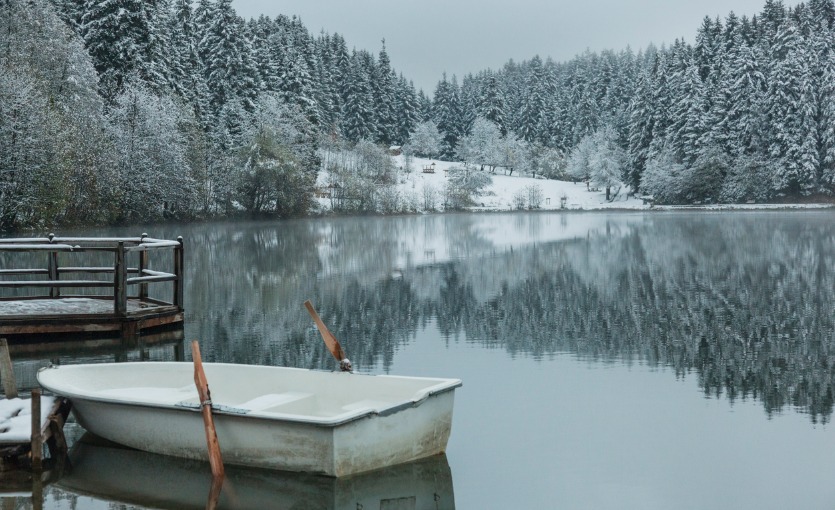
[128,110]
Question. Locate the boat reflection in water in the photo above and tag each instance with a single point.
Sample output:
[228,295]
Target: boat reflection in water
[113,473]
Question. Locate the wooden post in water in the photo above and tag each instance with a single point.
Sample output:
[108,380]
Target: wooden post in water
[205,396]
[52,267]
[120,291]
[37,440]
[143,264]
[7,371]
[178,270]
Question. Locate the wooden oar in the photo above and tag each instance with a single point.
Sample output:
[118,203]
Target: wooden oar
[214,492]
[215,459]
[330,341]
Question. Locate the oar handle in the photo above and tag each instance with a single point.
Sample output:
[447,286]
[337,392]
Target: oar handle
[215,459]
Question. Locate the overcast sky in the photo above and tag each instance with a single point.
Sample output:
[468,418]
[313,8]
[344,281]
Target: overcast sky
[427,38]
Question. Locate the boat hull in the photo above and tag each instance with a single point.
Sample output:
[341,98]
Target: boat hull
[124,476]
[335,445]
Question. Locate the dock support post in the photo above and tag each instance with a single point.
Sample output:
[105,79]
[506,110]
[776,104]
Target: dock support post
[37,440]
[143,264]
[52,268]
[7,371]
[120,291]
[178,270]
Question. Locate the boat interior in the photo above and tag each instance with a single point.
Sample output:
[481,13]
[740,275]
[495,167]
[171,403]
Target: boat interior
[277,392]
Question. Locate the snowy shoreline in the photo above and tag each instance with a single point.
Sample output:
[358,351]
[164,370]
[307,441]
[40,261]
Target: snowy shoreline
[556,195]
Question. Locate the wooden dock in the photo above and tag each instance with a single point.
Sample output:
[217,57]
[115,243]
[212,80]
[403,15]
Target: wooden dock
[23,468]
[107,298]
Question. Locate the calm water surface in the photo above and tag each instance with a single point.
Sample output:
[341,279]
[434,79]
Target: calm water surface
[610,360]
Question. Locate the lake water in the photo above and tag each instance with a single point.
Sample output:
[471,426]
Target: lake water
[610,360]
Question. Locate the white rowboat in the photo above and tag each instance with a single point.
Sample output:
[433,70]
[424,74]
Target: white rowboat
[333,423]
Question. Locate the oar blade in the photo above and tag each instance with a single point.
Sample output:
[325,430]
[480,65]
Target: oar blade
[330,341]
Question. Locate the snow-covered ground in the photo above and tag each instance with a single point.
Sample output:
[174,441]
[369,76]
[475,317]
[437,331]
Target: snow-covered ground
[499,196]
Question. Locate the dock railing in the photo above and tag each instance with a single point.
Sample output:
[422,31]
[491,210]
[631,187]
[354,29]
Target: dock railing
[124,276]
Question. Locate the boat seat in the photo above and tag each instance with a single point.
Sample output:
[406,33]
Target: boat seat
[366,404]
[151,394]
[273,399]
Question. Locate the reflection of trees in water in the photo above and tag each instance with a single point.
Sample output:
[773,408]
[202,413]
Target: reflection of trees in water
[743,300]
[753,318]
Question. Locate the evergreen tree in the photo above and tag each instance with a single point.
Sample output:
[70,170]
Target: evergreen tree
[228,67]
[771,20]
[534,102]
[326,85]
[259,34]
[491,102]
[424,106]
[114,34]
[745,82]
[71,12]
[383,90]
[824,12]
[446,112]
[408,110]
[792,113]
[358,113]
[827,115]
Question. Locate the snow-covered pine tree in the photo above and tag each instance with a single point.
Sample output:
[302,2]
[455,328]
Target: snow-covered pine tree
[661,104]
[534,101]
[114,33]
[325,85]
[827,113]
[491,102]
[383,83]
[357,112]
[707,48]
[408,110]
[424,106]
[691,109]
[640,128]
[340,70]
[226,56]
[824,12]
[184,64]
[792,113]
[446,112]
[512,82]
[70,11]
[745,83]
[771,19]
[683,132]
[258,33]
[154,65]
[469,94]
[297,84]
